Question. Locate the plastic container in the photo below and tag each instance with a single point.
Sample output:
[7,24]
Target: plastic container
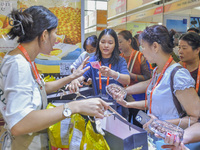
[115,89]
[162,128]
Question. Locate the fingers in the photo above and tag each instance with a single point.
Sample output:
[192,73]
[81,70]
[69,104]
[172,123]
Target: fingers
[74,86]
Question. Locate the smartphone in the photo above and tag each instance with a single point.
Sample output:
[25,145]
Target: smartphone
[142,117]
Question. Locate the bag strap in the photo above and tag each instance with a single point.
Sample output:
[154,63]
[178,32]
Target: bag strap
[133,62]
[181,112]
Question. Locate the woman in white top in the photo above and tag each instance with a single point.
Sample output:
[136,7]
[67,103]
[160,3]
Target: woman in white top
[23,92]
[157,44]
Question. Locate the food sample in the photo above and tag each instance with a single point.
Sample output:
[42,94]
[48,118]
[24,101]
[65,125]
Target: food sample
[114,89]
[164,128]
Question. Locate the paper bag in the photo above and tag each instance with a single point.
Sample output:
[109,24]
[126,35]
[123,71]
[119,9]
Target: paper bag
[122,135]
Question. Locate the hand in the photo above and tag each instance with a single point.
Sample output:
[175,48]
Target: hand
[105,71]
[91,107]
[80,71]
[173,141]
[74,86]
[89,82]
[173,147]
[146,125]
[120,100]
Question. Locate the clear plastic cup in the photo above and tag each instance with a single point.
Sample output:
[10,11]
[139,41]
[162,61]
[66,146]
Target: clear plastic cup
[163,128]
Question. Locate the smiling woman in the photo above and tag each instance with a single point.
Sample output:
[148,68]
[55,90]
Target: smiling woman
[113,67]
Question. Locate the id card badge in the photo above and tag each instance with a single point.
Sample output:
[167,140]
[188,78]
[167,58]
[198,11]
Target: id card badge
[104,96]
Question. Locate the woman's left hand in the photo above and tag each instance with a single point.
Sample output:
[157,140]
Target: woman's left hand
[146,125]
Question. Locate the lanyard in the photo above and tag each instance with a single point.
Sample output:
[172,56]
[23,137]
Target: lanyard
[100,83]
[129,61]
[34,69]
[198,77]
[160,77]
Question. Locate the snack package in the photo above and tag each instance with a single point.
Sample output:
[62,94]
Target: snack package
[115,89]
[95,64]
[163,128]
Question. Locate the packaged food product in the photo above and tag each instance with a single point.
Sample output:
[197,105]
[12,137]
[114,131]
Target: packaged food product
[163,128]
[115,89]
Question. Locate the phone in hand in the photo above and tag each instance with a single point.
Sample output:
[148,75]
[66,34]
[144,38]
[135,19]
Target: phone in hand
[142,117]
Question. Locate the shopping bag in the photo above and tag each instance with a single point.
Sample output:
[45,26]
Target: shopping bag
[93,140]
[59,133]
[122,135]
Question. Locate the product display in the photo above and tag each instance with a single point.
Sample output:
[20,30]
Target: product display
[114,88]
[163,128]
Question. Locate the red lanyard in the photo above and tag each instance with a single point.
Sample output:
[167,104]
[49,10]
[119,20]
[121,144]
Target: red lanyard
[160,77]
[100,83]
[34,69]
[129,61]
[198,77]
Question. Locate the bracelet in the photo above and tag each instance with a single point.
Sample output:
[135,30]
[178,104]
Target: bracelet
[118,76]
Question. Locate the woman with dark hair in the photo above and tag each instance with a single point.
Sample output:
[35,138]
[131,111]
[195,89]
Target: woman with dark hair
[189,53]
[23,92]
[157,44]
[113,68]
[89,46]
[136,64]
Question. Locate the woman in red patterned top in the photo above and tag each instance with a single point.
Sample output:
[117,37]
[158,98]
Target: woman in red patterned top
[136,63]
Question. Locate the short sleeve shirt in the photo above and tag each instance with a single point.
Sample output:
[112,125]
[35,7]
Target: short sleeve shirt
[19,93]
[120,66]
[162,101]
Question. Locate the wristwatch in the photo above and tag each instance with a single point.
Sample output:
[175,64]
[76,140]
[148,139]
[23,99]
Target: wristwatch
[67,112]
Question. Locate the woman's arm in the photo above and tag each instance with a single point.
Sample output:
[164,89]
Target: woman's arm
[55,85]
[38,120]
[138,88]
[190,101]
[192,134]
[77,62]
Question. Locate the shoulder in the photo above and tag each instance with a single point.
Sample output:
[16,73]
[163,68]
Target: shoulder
[15,61]
[182,78]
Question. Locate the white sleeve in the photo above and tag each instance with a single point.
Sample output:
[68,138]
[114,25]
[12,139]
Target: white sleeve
[18,90]
[78,61]
[183,80]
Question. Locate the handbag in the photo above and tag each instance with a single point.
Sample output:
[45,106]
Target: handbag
[182,113]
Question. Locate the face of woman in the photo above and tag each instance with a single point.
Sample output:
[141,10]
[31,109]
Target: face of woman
[123,44]
[147,51]
[90,48]
[185,52]
[106,45]
[50,41]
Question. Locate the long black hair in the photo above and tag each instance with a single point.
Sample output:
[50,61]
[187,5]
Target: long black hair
[115,54]
[193,39]
[31,23]
[159,34]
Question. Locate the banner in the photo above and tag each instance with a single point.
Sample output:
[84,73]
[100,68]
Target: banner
[132,4]
[116,7]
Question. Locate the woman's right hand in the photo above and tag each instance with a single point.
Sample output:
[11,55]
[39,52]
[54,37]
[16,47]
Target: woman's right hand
[74,86]
[173,143]
[90,107]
